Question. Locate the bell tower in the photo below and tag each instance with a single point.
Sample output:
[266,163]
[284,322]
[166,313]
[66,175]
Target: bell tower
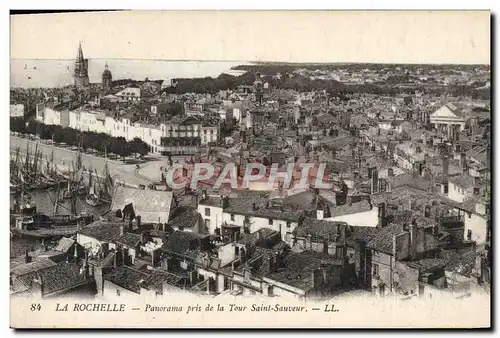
[81,75]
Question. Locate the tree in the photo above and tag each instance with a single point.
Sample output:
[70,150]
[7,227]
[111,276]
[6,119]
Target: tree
[31,127]
[138,146]
[17,125]
[58,135]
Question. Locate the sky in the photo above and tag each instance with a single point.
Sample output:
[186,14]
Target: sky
[449,37]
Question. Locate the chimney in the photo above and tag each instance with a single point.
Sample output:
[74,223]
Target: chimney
[390,172]
[259,235]
[317,275]
[427,211]
[446,168]
[27,257]
[463,162]
[381,215]
[86,265]
[413,240]
[374,181]
[138,222]
[153,258]
[121,230]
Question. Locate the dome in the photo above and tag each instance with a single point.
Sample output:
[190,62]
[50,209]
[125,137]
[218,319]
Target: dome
[107,73]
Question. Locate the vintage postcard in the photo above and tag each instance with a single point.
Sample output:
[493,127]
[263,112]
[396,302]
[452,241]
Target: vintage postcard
[250,169]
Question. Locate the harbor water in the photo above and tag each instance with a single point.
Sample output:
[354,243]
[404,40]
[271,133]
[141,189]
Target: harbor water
[44,200]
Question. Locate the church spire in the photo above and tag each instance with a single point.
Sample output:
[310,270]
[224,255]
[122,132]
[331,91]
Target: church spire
[80,52]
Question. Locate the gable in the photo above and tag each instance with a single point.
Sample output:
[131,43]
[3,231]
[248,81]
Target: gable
[445,111]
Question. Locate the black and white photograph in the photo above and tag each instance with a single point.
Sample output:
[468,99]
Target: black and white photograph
[350,172]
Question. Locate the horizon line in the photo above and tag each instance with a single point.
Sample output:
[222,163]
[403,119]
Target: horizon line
[276,63]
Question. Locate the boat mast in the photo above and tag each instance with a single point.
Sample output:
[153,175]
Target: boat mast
[56,204]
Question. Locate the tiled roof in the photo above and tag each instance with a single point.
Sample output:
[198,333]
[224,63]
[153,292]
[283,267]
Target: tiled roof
[320,229]
[361,233]
[258,262]
[253,238]
[127,278]
[61,276]
[64,244]
[158,277]
[153,206]
[243,205]
[462,264]
[37,265]
[303,200]
[354,208]
[210,201]
[185,217]
[298,268]
[427,264]
[160,234]
[383,240]
[129,239]
[464,181]
[181,242]
[103,231]
[409,180]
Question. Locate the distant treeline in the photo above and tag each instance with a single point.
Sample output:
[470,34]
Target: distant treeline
[274,68]
[86,140]
[396,86]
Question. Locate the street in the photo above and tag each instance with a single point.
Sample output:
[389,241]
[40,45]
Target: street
[122,172]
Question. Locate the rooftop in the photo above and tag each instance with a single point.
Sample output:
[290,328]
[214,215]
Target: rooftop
[126,277]
[103,231]
[321,229]
[298,268]
[153,206]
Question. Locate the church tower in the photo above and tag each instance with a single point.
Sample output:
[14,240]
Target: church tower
[107,78]
[258,87]
[81,75]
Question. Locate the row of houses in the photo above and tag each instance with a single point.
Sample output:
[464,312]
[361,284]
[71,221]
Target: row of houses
[206,130]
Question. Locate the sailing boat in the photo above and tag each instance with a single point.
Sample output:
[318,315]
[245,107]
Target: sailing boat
[23,204]
[108,184]
[92,198]
[68,192]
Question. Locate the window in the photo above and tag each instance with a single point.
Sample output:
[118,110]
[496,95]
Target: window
[207,225]
[232,217]
[270,221]
[288,224]
[375,269]
[118,293]
[207,211]
[469,235]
